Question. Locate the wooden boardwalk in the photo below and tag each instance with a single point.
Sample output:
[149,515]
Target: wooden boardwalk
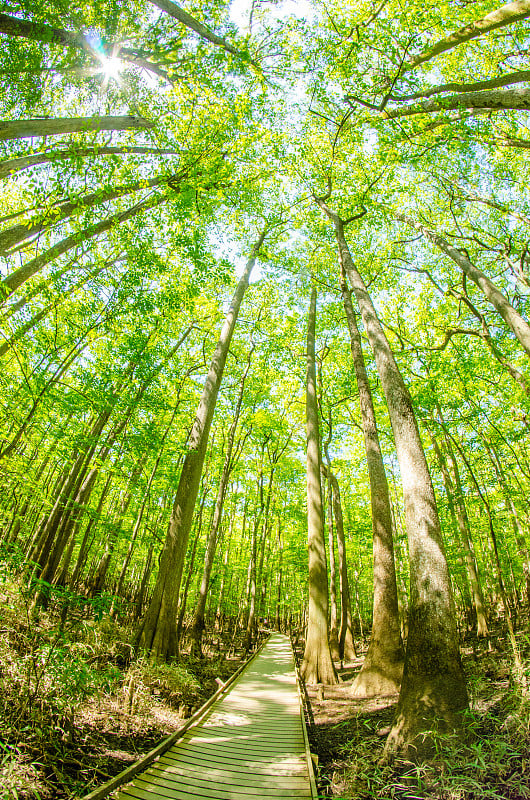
[252,744]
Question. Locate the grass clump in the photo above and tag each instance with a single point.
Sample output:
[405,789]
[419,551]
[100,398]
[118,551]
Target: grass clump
[148,680]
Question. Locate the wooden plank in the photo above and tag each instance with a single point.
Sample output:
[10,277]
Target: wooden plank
[234,753]
[297,766]
[231,776]
[195,784]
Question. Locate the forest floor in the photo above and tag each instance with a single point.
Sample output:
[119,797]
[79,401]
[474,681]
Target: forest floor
[105,735]
[348,736]
[76,706]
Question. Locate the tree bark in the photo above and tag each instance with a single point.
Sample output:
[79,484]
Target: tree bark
[433,690]
[157,633]
[193,24]
[36,318]
[382,668]
[317,664]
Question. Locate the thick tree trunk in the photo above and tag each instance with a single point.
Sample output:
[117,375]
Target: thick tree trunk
[158,630]
[26,128]
[317,665]
[433,690]
[382,668]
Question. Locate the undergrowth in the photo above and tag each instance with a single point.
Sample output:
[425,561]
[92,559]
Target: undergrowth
[490,761]
[52,670]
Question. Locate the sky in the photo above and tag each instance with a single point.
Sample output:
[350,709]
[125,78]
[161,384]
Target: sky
[240,10]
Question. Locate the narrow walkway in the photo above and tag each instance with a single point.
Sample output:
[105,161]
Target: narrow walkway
[251,745]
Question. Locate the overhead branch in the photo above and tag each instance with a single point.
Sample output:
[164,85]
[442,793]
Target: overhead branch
[200,28]
[517,99]
[521,76]
[506,15]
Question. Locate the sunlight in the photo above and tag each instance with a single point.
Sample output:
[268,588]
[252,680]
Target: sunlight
[111,68]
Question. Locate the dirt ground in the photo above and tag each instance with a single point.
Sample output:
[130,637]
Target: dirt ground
[335,719]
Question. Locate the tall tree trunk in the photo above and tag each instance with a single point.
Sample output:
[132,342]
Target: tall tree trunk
[498,567]
[197,626]
[157,632]
[347,649]
[382,668]
[433,689]
[519,534]
[333,621]
[317,665]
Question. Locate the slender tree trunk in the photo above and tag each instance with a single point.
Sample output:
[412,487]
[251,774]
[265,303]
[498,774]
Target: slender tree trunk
[496,99]
[346,639]
[16,234]
[333,621]
[195,25]
[382,668]
[31,323]
[433,689]
[280,578]
[519,534]
[317,664]
[457,504]
[158,630]
[15,279]
[505,15]
[197,626]
[491,292]
[498,567]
